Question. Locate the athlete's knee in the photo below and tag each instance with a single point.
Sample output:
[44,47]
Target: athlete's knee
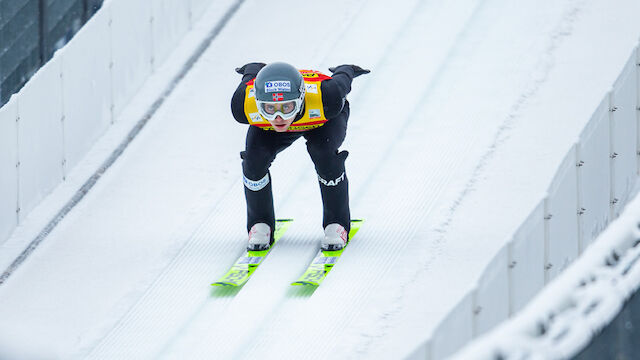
[326,153]
[330,166]
[256,163]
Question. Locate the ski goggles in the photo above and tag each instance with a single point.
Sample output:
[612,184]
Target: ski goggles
[286,109]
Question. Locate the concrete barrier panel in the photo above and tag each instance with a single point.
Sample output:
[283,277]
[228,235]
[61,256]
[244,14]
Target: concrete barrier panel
[170,23]
[8,169]
[561,217]
[638,104]
[526,260]
[131,49]
[422,352]
[40,136]
[491,298]
[624,130]
[455,330]
[594,179]
[86,88]
[71,101]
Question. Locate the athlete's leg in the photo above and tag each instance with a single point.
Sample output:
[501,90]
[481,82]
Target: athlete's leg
[323,144]
[261,149]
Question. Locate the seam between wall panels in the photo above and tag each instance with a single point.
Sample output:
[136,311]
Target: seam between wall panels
[475,311]
[17,160]
[190,14]
[546,219]
[580,202]
[111,94]
[510,267]
[63,117]
[152,45]
[637,67]
[612,167]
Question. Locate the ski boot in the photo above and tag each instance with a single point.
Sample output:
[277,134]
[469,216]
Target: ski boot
[335,238]
[259,237]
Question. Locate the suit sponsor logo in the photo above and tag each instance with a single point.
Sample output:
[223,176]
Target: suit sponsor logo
[255,117]
[256,185]
[314,113]
[333,182]
[312,88]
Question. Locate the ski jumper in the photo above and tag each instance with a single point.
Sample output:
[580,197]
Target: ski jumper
[323,124]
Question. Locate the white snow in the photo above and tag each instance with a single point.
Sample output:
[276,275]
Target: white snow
[575,306]
[454,137]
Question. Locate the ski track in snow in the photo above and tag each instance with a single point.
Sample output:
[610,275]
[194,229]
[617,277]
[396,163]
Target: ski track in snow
[420,142]
[331,334]
[213,310]
[384,323]
[542,71]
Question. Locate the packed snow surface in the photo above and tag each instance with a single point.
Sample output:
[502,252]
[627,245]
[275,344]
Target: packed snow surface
[454,137]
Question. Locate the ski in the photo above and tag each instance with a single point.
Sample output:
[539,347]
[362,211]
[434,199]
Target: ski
[324,261]
[246,264]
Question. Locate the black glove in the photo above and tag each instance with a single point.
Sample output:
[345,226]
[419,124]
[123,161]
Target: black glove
[349,69]
[250,68]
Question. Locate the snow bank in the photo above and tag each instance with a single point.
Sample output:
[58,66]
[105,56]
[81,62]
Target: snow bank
[591,187]
[564,316]
[585,297]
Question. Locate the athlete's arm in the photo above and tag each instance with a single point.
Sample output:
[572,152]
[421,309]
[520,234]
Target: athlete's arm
[335,90]
[248,72]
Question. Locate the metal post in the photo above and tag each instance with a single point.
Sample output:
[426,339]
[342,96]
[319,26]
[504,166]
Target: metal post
[85,11]
[42,28]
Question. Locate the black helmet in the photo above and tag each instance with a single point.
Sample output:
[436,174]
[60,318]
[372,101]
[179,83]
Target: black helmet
[279,90]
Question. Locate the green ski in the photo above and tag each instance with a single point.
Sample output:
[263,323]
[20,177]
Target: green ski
[324,261]
[246,264]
